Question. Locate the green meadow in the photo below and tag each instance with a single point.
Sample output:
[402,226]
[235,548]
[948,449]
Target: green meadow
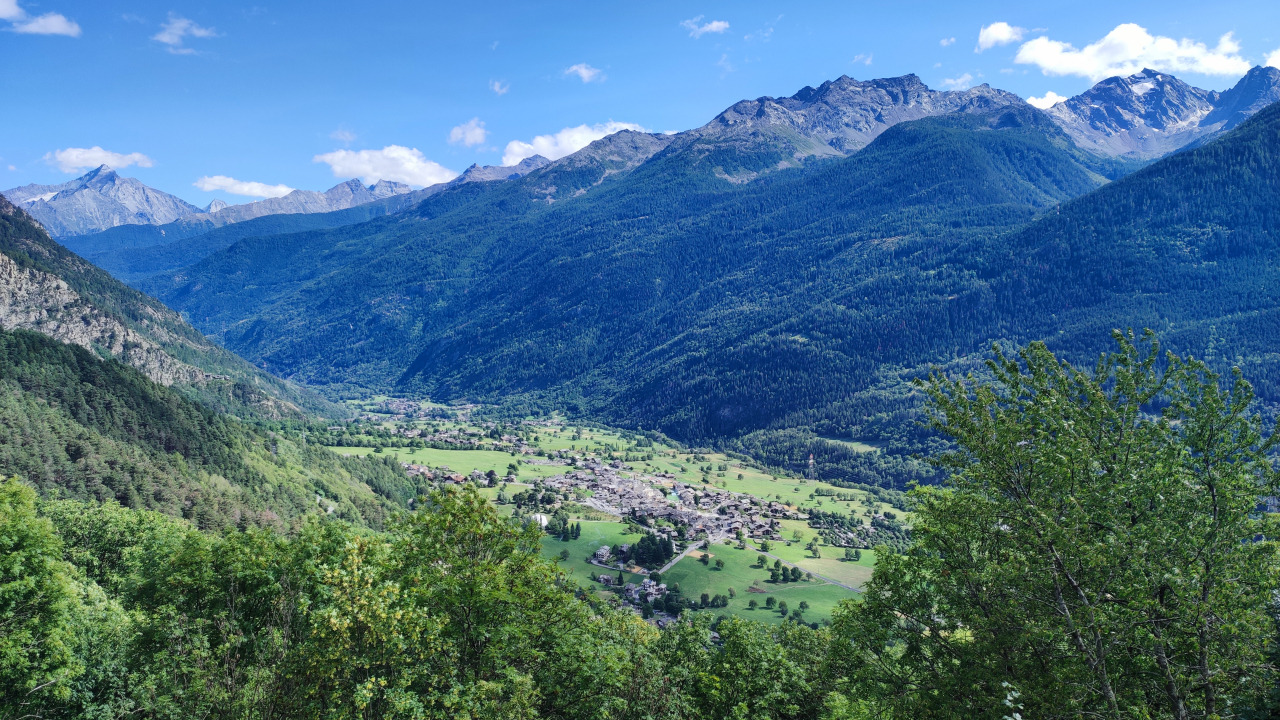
[741,573]
[594,534]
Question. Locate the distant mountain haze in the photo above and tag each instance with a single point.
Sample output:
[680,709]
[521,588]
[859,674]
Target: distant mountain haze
[135,252]
[95,201]
[339,197]
[102,199]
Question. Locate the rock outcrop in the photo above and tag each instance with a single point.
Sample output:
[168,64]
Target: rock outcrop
[35,300]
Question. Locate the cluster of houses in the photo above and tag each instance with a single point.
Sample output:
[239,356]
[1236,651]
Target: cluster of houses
[690,511]
[713,514]
[647,591]
[402,409]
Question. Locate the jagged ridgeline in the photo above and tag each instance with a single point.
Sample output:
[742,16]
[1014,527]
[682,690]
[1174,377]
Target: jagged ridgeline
[489,289]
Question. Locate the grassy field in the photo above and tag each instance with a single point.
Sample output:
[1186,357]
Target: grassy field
[594,534]
[740,573]
[592,441]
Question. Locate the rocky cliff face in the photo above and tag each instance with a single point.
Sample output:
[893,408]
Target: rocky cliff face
[1151,114]
[48,289]
[39,301]
[95,201]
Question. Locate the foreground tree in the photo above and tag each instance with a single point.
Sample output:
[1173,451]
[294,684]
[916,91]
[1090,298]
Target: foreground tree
[1098,550]
[37,608]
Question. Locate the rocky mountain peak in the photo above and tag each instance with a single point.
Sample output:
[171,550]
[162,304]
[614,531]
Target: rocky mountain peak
[486,173]
[387,188]
[1259,88]
[102,172]
[95,201]
[1152,113]
[841,116]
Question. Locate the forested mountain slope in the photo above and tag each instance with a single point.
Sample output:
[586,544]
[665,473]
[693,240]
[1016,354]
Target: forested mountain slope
[1189,246]
[135,252]
[668,281]
[78,426]
[105,394]
[45,287]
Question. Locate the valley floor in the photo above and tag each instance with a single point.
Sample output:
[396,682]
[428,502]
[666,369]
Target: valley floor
[536,451]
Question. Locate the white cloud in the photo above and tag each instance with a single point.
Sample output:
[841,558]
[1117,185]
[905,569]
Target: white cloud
[1050,99]
[47,24]
[947,41]
[498,87]
[240,187]
[565,142]
[1273,60]
[1001,33]
[73,159]
[393,162]
[469,133]
[1130,48]
[342,135]
[697,31]
[13,167]
[586,72]
[961,83]
[176,29]
[864,58]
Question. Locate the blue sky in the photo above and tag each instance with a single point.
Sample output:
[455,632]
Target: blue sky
[261,98]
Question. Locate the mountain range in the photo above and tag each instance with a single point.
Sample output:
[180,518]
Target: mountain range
[764,282]
[1137,118]
[101,199]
